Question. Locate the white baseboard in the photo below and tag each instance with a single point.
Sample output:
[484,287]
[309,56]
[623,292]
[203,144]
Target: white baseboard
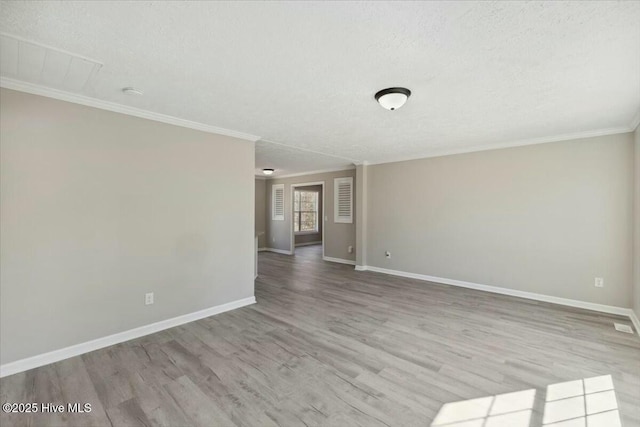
[635,321]
[361,268]
[85,347]
[262,249]
[505,291]
[309,243]
[277,251]
[339,260]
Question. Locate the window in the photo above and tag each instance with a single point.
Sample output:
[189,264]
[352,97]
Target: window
[277,202]
[343,200]
[305,211]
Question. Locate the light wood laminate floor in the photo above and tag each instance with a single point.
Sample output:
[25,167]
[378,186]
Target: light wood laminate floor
[326,345]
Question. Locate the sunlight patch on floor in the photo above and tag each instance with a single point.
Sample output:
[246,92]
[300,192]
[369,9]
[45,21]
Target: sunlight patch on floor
[509,409]
[589,402]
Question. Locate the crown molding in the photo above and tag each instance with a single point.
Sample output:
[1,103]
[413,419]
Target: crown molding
[310,173]
[293,147]
[361,163]
[512,144]
[61,95]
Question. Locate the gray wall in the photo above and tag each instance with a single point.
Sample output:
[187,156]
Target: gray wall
[636,240]
[544,218]
[261,212]
[99,208]
[338,237]
[301,239]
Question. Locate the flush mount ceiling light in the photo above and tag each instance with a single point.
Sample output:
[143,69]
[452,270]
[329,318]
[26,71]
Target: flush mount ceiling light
[132,91]
[267,171]
[393,97]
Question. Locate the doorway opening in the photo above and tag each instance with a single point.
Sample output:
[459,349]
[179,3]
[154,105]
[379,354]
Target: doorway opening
[307,214]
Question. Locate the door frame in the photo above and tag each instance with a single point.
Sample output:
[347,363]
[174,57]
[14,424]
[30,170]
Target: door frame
[292,207]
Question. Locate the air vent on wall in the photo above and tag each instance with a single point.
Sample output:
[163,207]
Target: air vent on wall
[44,65]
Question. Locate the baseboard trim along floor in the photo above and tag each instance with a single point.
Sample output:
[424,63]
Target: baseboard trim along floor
[326,258]
[610,309]
[277,251]
[339,260]
[298,245]
[78,349]
[635,321]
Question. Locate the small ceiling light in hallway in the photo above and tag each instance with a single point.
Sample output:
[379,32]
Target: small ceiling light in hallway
[267,171]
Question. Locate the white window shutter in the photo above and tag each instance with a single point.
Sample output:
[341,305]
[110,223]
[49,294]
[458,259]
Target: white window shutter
[277,202]
[343,200]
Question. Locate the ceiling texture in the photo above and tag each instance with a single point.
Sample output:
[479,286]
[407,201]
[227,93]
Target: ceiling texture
[301,76]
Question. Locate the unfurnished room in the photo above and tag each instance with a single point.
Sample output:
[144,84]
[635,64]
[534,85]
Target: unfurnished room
[320,213]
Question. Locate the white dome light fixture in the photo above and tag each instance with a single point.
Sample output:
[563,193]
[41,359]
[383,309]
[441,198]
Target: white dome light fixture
[393,97]
[267,171]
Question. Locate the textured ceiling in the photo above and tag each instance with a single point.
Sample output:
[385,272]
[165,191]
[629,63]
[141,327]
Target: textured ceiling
[303,74]
[291,161]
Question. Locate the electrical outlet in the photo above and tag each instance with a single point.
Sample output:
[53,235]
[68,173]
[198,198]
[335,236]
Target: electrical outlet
[350,249]
[148,298]
[599,282]
[387,254]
